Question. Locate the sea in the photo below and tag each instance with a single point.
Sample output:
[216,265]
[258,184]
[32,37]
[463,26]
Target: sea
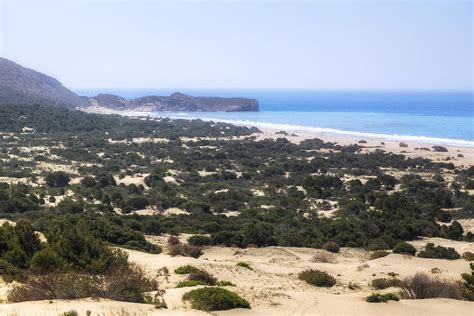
[441,117]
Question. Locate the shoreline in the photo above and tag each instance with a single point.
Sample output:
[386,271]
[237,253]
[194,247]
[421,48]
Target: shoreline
[416,145]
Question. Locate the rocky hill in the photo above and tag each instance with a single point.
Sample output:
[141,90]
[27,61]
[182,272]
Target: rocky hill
[20,85]
[175,102]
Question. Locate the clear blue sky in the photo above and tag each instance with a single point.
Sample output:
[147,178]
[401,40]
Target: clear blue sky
[247,45]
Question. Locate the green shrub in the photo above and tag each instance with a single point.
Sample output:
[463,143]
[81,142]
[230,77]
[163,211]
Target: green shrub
[214,299]
[244,265]
[438,252]
[185,269]
[383,283]
[468,256]
[317,278]
[381,298]
[225,283]
[331,246]
[377,244]
[403,247]
[70,313]
[199,240]
[202,276]
[379,254]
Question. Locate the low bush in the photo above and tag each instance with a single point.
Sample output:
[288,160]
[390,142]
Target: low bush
[383,283]
[377,244]
[379,254]
[468,256]
[244,265]
[121,283]
[317,278]
[468,284]
[382,298]
[421,286]
[225,283]
[202,276]
[199,240]
[324,256]
[405,248]
[185,269]
[184,250]
[331,246]
[438,252]
[214,299]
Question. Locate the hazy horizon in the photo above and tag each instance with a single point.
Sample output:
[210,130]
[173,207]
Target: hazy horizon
[254,45]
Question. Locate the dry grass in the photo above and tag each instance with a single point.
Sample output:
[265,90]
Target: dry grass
[325,257]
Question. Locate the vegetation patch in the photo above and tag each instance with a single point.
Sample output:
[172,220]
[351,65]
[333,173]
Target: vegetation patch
[317,278]
[382,298]
[438,252]
[215,299]
[244,265]
[405,248]
[185,269]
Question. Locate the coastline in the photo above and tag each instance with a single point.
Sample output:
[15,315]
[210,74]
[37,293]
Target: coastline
[460,152]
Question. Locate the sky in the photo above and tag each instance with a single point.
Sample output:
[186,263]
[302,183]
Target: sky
[310,45]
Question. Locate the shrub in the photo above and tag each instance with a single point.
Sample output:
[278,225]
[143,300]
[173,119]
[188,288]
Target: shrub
[468,256]
[381,298]
[121,283]
[185,269]
[214,299]
[404,248]
[379,254]
[331,246]
[421,286]
[184,250]
[225,283]
[383,283]
[203,276]
[468,284]
[244,265]
[438,252]
[70,313]
[317,278]
[199,240]
[173,240]
[325,257]
[57,179]
[377,244]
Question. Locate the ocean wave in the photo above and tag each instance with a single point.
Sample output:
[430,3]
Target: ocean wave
[324,130]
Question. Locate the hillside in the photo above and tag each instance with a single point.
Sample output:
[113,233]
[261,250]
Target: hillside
[175,102]
[22,85]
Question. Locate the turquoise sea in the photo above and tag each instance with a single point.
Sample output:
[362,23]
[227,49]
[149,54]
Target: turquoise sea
[445,117]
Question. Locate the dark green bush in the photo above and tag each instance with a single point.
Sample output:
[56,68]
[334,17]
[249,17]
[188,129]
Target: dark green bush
[438,252]
[403,247]
[189,283]
[214,299]
[199,240]
[317,278]
[381,298]
[185,269]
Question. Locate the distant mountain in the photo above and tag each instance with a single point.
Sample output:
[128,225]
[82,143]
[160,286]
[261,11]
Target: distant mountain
[20,85]
[175,102]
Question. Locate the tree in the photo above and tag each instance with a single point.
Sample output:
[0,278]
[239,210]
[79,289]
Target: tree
[57,179]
